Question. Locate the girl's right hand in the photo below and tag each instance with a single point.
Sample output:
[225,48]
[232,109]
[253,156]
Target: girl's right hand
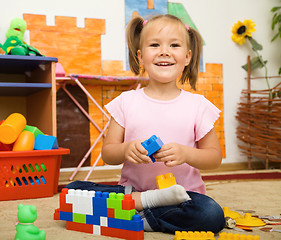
[136,153]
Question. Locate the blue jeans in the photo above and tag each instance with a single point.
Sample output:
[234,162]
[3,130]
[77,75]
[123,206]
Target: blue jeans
[201,213]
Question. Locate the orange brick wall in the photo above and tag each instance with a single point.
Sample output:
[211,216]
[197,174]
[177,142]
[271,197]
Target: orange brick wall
[79,51]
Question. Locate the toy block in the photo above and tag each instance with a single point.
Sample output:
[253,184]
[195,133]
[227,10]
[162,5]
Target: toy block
[135,225]
[57,214]
[152,145]
[80,227]
[165,181]
[97,230]
[82,201]
[65,207]
[93,220]
[110,213]
[236,236]
[124,214]
[128,203]
[66,216]
[79,218]
[33,130]
[196,235]
[115,200]
[100,204]
[45,142]
[103,221]
[121,233]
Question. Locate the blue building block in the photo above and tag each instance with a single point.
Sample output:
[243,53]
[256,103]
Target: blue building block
[136,224]
[100,204]
[45,142]
[66,216]
[93,220]
[152,145]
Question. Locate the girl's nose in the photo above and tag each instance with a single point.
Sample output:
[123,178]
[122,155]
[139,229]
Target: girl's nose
[164,52]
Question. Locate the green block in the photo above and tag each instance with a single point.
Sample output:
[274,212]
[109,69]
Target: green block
[34,130]
[115,200]
[79,218]
[124,214]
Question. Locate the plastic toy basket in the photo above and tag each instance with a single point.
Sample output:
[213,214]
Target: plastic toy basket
[30,174]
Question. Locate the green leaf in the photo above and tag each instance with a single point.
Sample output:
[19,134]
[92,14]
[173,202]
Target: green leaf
[279,72]
[274,9]
[255,45]
[255,63]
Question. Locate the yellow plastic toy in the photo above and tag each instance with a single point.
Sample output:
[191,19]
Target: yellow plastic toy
[25,142]
[194,235]
[249,221]
[165,181]
[236,236]
[231,214]
[11,128]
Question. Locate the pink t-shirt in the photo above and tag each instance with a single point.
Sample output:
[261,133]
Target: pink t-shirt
[184,120]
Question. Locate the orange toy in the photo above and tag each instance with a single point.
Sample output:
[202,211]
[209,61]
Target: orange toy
[25,142]
[11,128]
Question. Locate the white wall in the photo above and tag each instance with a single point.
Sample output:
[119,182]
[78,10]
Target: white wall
[213,18]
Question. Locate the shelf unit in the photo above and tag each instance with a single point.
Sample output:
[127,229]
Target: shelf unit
[28,86]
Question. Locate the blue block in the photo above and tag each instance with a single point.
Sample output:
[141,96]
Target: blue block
[66,216]
[93,220]
[45,142]
[100,204]
[136,224]
[152,145]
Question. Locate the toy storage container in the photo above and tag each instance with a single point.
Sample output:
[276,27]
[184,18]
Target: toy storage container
[29,174]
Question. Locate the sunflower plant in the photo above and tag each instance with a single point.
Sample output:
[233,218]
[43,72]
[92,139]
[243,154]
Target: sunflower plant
[242,31]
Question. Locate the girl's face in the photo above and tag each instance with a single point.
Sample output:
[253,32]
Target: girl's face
[164,52]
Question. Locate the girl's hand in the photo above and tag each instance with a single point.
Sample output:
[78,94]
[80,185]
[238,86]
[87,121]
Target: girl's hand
[171,154]
[136,153]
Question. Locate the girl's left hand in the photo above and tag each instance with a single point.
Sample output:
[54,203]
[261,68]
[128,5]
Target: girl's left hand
[171,154]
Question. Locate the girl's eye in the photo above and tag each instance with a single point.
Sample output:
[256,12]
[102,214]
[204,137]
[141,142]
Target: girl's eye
[154,45]
[175,45]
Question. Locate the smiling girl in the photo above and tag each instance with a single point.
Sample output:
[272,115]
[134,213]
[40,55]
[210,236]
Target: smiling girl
[167,50]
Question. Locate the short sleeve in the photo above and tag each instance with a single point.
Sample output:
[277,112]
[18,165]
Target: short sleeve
[115,108]
[207,115]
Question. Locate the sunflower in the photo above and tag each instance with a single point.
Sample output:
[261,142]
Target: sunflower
[242,30]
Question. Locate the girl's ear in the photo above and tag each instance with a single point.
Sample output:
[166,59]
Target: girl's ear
[188,57]
[140,57]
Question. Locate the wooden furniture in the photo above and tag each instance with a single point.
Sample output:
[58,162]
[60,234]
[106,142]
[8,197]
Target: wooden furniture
[28,86]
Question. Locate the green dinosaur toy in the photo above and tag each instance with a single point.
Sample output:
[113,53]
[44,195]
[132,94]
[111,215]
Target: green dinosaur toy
[27,214]
[14,45]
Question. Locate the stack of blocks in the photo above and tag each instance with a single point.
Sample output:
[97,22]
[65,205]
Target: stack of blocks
[100,213]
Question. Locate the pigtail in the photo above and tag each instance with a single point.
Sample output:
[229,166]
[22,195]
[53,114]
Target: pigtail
[133,33]
[191,71]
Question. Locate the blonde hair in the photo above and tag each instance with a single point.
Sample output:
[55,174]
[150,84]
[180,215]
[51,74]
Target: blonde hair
[193,40]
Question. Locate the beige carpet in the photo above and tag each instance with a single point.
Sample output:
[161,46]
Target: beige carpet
[261,196]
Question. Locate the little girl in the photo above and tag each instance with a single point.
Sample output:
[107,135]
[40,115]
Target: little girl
[166,50]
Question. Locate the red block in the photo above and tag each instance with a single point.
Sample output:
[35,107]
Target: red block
[57,214]
[80,227]
[120,233]
[110,213]
[128,203]
[64,207]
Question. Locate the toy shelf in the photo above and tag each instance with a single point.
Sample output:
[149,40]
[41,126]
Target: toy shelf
[27,86]
[21,89]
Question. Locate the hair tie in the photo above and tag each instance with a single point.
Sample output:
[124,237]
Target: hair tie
[144,22]
[187,27]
